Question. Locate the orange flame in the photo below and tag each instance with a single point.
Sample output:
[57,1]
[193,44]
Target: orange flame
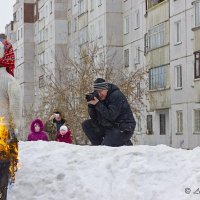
[8,148]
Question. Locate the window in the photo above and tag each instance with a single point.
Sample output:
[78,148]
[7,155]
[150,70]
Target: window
[178,76]
[178,32]
[46,34]
[162,124]
[76,50]
[100,2]
[156,36]
[197,64]
[100,32]
[138,94]
[18,35]
[179,119]
[138,124]
[41,81]
[126,25]
[137,55]
[137,19]
[149,125]
[126,58]
[81,6]
[92,33]
[51,7]
[21,32]
[157,78]
[146,43]
[75,24]
[83,36]
[46,14]
[21,13]
[197,121]
[197,13]
[69,27]
[15,17]
[75,3]
[92,2]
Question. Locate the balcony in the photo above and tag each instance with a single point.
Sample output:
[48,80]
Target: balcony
[152,3]
[159,87]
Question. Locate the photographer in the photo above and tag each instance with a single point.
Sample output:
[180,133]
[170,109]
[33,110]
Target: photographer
[112,122]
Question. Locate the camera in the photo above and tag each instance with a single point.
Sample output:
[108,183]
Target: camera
[90,96]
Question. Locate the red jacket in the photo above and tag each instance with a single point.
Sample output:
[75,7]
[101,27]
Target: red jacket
[8,59]
[64,138]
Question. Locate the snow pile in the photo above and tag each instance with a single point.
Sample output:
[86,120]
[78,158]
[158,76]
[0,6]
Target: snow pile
[60,171]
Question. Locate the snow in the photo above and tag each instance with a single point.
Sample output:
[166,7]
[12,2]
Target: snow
[60,171]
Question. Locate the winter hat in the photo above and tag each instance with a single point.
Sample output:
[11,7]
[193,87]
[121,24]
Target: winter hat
[100,84]
[64,128]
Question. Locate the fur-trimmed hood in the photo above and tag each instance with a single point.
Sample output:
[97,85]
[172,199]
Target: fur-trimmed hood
[39,122]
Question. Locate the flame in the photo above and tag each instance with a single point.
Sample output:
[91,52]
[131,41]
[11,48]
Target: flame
[8,149]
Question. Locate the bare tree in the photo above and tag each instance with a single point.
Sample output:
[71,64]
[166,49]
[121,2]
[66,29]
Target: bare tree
[65,89]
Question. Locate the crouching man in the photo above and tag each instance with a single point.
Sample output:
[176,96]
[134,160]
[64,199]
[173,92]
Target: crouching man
[112,122]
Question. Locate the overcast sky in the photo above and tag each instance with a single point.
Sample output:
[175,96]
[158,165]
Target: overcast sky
[6,13]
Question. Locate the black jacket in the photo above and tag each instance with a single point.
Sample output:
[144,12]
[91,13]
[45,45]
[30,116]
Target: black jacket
[114,111]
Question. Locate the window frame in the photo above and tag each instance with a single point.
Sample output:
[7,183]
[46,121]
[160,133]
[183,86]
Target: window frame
[197,20]
[155,80]
[162,123]
[126,58]
[156,36]
[149,124]
[196,125]
[179,122]
[195,64]
[126,24]
[178,77]
[178,32]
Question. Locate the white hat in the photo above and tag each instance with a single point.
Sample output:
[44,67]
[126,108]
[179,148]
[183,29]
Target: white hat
[64,128]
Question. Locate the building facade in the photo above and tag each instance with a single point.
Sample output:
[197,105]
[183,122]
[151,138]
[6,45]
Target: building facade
[162,35]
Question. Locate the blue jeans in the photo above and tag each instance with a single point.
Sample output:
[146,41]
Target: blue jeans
[99,135]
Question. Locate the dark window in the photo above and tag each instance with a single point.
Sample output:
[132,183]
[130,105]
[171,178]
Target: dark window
[197,64]
[162,124]
[138,90]
[41,81]
[126,58]
[149,125]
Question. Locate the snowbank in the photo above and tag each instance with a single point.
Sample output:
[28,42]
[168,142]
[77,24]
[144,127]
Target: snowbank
[59,171]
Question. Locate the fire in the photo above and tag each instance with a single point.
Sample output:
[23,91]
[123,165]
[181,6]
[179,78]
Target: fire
[8,148]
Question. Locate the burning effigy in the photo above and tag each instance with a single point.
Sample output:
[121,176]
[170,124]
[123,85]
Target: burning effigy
[10,116]
[8,157]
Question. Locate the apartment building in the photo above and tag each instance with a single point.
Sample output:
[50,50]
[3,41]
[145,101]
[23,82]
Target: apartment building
[92,22]
[162,35]
[24,50]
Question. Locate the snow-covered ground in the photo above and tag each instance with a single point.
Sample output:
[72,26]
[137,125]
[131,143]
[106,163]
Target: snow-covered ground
[59,171]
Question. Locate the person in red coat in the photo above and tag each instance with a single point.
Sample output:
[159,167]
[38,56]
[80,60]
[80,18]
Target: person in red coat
[64,135]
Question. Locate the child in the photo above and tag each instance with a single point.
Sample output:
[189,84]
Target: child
[64,135]
[37,131]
